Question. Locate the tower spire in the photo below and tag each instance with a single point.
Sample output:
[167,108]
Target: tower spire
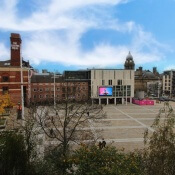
[129,63]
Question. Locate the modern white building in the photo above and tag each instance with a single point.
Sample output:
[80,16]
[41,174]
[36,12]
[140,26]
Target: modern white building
[112,86]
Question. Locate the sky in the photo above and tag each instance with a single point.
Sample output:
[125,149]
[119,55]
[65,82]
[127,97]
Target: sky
[63,35]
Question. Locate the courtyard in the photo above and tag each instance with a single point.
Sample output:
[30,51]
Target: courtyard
[124,125]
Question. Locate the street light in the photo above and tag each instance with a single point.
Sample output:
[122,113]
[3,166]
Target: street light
[54,85]
[22,94]
[158,86]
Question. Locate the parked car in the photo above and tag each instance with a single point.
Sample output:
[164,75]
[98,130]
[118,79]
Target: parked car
[164,99]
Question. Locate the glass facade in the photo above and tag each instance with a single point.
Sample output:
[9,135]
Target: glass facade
[122,91]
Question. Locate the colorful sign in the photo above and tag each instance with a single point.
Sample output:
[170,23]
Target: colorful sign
[105,91]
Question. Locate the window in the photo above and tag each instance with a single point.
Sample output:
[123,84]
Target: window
[58,89]
[63,95]
[5,90]
[119,82]
[110,82]
[46,89]
[40,96]
[74,89]
[63,89]
[34,89]
[47,96]
[103,82]
[34,96]
[5,79]
[41,89]
[68,89]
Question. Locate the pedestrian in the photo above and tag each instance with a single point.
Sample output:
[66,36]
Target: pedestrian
[103,143]
[100,145]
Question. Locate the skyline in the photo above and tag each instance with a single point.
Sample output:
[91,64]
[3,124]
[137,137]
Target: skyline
[62,35]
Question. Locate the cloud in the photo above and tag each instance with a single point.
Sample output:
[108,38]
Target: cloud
[170,67]
[67,50]
[56,14]
[4,52]
[55,29]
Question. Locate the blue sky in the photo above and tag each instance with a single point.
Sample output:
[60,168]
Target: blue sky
[66,35]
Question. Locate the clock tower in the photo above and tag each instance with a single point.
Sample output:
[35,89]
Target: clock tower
[129,63]
[15,49]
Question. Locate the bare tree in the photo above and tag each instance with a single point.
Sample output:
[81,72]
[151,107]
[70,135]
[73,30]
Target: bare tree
[68,123]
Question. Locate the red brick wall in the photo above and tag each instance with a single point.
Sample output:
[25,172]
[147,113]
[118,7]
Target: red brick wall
[14,82]
[45,91]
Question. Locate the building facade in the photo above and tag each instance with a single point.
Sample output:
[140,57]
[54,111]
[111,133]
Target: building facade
[143,79]
[47,87]
[11,72]
[169,83]
[112,86]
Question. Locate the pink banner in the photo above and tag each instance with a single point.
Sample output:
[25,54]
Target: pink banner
[143,102]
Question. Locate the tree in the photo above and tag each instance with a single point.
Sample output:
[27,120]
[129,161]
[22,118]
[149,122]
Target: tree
[106,161]
[5,102]
[13,156]
[160,152]
[68,123]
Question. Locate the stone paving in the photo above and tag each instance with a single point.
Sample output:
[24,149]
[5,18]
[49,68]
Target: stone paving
[125,124]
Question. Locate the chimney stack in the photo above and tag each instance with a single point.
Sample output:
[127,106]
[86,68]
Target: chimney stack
[154,70]
[15,49]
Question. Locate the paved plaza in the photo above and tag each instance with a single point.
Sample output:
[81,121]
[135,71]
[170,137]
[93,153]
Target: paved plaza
[125,124]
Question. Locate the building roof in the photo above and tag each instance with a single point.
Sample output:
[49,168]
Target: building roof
[146,74]
[46,78]
[7,63]
[15,35]
[129,56]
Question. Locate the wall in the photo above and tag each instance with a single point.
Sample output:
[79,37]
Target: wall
[97,75]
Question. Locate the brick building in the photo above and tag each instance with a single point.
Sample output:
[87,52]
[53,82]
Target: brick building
[11,72]
[46,87]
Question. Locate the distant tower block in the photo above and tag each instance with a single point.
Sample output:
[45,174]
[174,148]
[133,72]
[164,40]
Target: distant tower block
[15,49]
[129,63]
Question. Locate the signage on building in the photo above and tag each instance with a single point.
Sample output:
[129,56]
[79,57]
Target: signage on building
[105,91]
[15,46]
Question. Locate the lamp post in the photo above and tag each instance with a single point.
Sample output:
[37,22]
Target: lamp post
[22,93]
[30,72]
[54,92]
[54,87]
